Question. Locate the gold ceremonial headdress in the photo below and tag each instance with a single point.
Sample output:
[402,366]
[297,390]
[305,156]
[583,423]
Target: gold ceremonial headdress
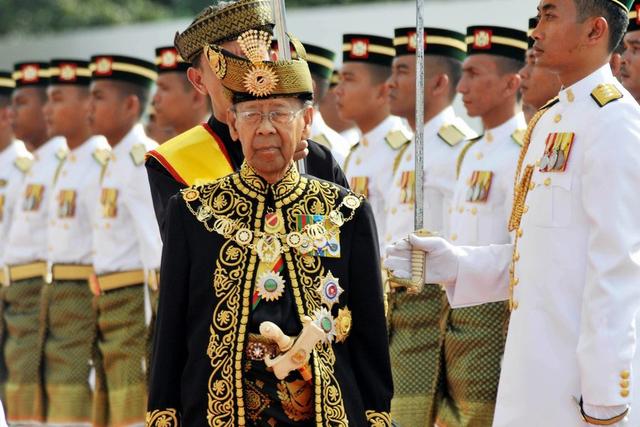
[253,77]
[215,25]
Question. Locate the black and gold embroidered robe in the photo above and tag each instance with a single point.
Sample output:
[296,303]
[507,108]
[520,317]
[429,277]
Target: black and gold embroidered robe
[205,312]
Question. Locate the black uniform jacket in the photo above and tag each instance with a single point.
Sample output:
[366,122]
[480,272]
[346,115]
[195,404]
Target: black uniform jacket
[165,181]
[205,312]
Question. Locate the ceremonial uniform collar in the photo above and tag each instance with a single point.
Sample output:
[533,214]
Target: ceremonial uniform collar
[281,189]
[504,131]
[135,136]
[87,147]
[379,132]
[446,116]
[50,147]
[583,88]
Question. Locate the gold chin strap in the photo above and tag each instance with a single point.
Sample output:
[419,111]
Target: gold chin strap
[415,284]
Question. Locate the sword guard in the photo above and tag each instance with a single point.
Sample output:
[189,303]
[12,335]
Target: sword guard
[415,284]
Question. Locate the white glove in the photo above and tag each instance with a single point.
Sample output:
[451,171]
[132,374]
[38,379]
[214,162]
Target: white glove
[604,412]
[441,265]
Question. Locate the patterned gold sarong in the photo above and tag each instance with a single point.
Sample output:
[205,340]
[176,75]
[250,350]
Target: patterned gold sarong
[22,352]
[416,338]
[68,332]
[473,348]
[121,385]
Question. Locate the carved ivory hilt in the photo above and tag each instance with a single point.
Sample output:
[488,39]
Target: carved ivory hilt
[273,332]
[296,357]
[415,284]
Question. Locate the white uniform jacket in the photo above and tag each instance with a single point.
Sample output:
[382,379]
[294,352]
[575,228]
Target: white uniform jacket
[484,190]
[126,235]
[573,331]
[440,157]
[76,196]
[323,134]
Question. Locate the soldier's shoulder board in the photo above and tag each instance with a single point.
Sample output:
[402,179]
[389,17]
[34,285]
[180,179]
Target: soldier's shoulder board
[457,132]
[396,139]
[62,153]
[137,153]
[604,94]
[518,136]
[24,162]
[322,140]
[102,155]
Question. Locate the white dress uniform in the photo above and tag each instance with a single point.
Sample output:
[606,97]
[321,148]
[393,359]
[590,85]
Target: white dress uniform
[351,135]
[26,241]
[444,137]
[126,237]
[369,166]
[72,209]
[323,134]
[484,191]
[15,162]
[576,292]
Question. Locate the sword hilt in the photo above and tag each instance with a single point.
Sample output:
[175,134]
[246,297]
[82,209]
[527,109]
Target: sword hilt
[415,284]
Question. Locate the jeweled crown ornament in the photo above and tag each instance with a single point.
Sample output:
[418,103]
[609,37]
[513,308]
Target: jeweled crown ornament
[261,80]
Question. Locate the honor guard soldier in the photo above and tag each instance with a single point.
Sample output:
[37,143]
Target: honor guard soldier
[177,104]
[416,335]
[25,257]
[571,275]
[363,97]
[15,161]
[207,152]
[321,63]
[271,310]
[474,338]
[329,110]
[630,71]
[539,85]
[126,240]
[68,325]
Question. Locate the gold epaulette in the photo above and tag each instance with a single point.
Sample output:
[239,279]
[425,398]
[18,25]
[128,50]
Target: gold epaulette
[137,153]
[463,153]
[102,155]
[603,94]
[62,153]
[454,133]
[24,162]
[322,140]
[518,136]
[398,159]
[348,158]
[396,139]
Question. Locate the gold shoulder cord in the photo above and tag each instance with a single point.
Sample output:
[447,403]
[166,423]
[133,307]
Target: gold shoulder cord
[520,191]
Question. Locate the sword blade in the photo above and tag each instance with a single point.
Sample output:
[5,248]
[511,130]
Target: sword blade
[419,135]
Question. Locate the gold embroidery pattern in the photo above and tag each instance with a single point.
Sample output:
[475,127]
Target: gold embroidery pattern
[162,418]
[378,419]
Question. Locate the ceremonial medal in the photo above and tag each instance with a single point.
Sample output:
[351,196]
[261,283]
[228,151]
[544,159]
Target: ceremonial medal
[274,222]
[544,162]
[294,239]
[329,290]
[351,202]
[269,248]
[561,160]
[270,286]
[336,218]
[244,236]
[557,149]
[324,320]
[204,213]
[223,226]
[553,158]
[343,324]
[306,245]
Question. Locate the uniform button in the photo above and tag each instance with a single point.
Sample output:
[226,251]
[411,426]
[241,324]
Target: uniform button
[624,393]
[479,156]
[570,96]
[624,383]
[519,232]
[625,375]
[547,182]
[358,161]
[394,211]
[557,118]
[454,237]
[474,211]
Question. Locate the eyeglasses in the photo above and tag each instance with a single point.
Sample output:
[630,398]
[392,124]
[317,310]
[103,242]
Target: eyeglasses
[279,117]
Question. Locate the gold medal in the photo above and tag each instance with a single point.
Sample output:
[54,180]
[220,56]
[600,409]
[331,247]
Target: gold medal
[244,236]
[224,226]
[268,248]
[204,213]
[270,286]
[190,194]
[294,239]
[343,324]
[351,202]
[336,218]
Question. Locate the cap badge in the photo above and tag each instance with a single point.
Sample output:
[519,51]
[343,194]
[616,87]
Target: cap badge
[482,39]
[30,73]
[359,48]
[168,58]
[104,66]
[260,80]
[68,72]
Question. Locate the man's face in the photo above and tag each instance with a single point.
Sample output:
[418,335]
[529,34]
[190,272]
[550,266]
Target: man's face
[172,99]
[107,111]
[67,108]
[268,144]
[482,86]
[357,93]
[402,86]
[27,116]
[539,84]
[558,36]
[630,72]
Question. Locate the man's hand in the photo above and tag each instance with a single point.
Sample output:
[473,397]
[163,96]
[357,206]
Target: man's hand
[441,265]
[302,150]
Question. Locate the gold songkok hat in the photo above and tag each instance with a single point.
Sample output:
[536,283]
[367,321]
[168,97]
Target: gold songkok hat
[215,25]
[254,78]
